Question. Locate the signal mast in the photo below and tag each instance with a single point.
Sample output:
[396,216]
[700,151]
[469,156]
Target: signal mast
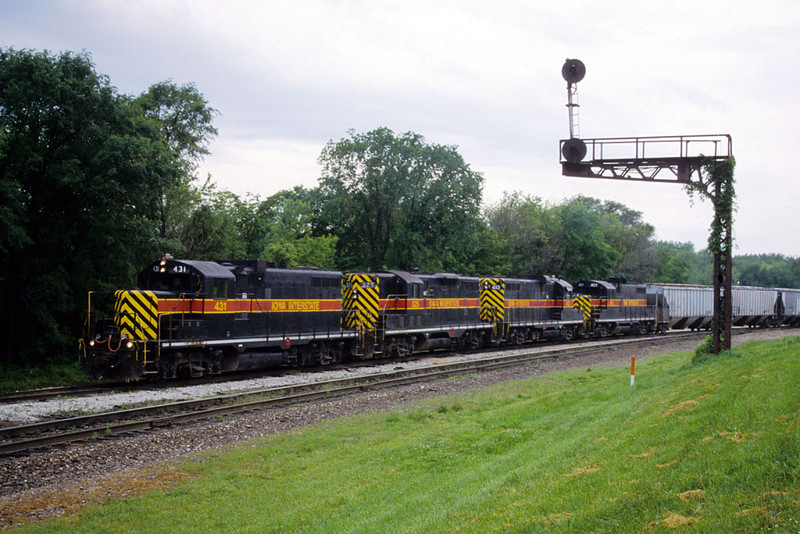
[667,159]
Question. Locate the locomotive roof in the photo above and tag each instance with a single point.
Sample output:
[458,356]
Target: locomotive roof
[406,276]
[556,280]
[600,283]
[209,269]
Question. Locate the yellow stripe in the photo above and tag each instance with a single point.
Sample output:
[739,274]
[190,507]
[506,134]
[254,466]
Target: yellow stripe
[360,301]
[136,314]
[585,305]
[492,300]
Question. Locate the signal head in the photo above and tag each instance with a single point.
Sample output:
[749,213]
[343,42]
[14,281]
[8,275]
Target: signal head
[574,150]
[573,70]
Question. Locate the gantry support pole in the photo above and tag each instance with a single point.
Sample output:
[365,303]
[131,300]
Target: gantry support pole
[723,272]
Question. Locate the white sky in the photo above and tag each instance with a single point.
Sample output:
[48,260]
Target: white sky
[288,76]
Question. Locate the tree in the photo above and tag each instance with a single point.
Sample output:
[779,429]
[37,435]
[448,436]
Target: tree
[293,235]
[530,232]
[397,202]
[674,262]
[630,237]
[766,270]
[587,255]
[80,170]
[184,117]
[84,173]
[185,120]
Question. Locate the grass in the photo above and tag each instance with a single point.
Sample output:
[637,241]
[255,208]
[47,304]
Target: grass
[14,378]
[708,447]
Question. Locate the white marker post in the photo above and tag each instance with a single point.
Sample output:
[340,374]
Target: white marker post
[633,359]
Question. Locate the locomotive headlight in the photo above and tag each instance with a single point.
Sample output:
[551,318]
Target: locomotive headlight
[129,344]
[91,343]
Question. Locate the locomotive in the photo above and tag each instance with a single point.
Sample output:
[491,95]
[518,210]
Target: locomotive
[193,318]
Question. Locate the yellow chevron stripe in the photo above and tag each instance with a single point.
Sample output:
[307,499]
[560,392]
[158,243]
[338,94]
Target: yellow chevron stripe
[136,314]
[492,300]
[147,316]
[360,301]
[585,305]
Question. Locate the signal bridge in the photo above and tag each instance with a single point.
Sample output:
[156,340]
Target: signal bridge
[666,159]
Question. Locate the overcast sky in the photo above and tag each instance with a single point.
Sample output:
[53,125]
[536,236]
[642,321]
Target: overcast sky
[289,76]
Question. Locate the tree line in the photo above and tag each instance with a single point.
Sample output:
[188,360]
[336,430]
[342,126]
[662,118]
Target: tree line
[94,185]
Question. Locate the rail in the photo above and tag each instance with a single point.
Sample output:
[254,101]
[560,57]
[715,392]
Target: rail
[28,437]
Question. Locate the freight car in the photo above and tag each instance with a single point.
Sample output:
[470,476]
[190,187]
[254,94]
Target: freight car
[789,307]
[682,306]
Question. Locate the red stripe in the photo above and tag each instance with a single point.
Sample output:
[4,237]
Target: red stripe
[247,305]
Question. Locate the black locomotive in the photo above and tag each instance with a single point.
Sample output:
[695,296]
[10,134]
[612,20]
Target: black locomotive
[194,318]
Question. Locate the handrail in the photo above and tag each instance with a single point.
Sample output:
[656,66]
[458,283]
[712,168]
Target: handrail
[722,146]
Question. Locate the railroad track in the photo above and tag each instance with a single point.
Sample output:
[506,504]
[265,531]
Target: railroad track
[121,387]
[24,438]
[127,387]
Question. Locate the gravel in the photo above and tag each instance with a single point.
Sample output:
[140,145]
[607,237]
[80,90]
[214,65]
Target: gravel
[32,411]
[62,480]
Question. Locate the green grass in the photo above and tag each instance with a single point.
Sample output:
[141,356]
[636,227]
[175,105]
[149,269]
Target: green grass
[14,378]
[709,447]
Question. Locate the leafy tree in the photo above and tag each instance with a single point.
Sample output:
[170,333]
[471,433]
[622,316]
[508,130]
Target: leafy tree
[294,236]
[587,255]
[214,231]
[184,117]
[397,202]
[674,262]
[530,232]
[80,171]
[185,120]
[630,237]
[766,270]
[580,238]
[86,180]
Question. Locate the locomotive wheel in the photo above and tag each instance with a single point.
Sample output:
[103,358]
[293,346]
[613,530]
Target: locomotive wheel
[516,338]
[168,368]
[473,341]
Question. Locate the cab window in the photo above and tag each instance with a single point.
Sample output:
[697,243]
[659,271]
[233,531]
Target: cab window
[220,289]
[168,282]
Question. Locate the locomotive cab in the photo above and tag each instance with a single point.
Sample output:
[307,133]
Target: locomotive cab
[563,295]
[185,277]
[618,307]
[601,290]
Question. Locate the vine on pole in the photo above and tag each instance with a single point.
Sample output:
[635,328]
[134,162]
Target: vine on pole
[716,184]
